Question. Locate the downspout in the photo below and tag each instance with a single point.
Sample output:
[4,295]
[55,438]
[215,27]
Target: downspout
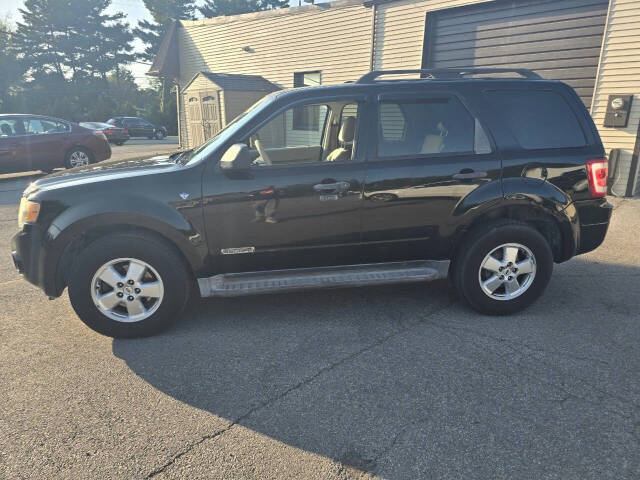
[179,109]
[373,37]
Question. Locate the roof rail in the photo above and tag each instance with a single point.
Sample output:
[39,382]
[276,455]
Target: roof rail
[448,73]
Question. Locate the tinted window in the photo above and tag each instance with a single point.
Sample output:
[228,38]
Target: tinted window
[428,126]
[538,118]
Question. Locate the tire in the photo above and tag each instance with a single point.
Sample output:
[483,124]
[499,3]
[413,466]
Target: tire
[77,155]
[119,144]
[159,135]
[167,281]
[500,240]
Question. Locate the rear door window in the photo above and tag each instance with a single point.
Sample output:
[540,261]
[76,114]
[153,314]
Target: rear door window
[428,126]
[538,118]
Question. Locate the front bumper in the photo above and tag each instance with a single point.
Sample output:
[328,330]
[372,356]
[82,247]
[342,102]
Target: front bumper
[29,258]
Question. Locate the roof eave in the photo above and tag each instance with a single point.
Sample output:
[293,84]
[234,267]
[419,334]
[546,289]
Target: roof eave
[166,63]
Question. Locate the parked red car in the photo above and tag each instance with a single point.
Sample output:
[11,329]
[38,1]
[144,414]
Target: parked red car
[35,142]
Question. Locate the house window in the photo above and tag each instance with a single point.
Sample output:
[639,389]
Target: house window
[307,119]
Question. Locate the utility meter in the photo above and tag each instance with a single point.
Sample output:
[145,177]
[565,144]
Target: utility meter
[618,109]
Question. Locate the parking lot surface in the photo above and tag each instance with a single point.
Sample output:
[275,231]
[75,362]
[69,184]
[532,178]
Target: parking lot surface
[395,382]
[12,185]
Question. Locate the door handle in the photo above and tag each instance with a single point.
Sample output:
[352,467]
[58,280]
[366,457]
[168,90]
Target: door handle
[468,174]
[332,187]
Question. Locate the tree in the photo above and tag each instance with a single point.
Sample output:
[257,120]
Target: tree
[151,33]
[72,39]
[163,13]
[216,8]
[11,69]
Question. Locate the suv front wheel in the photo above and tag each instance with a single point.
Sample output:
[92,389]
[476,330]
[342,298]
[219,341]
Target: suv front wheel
[503,268]
[128,285]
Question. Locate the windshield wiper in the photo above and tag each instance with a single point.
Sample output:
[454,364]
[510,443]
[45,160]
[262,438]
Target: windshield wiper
[176,156]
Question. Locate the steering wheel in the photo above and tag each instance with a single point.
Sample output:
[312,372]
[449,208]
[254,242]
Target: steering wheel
[263,153]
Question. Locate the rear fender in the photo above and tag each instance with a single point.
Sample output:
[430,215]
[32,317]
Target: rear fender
[520,199]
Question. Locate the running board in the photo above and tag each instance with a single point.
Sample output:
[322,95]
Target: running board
[249,283]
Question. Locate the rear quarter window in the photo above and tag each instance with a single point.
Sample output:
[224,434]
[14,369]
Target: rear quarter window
[538,118]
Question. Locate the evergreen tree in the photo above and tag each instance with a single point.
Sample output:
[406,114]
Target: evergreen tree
[11,69]
[72,39]
[163,13]
[216,8]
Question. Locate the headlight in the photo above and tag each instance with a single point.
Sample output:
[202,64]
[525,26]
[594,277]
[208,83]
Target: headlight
[28,212]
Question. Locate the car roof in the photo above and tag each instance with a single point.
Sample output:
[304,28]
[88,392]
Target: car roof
[22,115]
[407,84]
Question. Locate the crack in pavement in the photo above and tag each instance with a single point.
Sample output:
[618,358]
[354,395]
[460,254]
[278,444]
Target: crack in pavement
[303,383]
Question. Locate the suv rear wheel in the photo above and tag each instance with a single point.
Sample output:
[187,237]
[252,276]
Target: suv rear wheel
[503,268]
[128,285]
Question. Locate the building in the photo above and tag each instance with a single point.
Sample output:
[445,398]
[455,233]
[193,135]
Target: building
[593,45]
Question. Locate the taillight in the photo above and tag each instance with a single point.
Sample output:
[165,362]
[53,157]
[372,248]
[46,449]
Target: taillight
[126,132]
[108,131]
[598,173]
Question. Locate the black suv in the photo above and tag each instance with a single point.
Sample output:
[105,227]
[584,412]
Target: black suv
[138,127]
[486,180]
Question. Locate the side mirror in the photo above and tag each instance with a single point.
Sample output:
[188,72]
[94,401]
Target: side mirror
[237,157]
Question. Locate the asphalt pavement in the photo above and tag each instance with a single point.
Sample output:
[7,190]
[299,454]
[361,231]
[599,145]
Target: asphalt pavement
[396,382]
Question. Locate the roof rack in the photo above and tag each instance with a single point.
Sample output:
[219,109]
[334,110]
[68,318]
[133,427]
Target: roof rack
[448,73]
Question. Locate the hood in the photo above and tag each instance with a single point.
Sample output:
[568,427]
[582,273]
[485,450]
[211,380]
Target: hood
[105,171]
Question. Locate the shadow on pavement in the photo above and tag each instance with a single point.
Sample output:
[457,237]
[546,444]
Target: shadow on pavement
[405,382]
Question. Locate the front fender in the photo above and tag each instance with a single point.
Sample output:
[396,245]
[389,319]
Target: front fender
[138,213]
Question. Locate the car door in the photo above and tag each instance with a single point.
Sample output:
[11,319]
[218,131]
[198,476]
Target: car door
[131,126]
[431,152]
[44,143]
[12,145]
[293,207]
[146,129]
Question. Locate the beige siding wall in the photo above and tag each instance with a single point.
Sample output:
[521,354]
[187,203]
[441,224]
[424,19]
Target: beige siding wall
[619,73]
[237,102]
[333,39]
[400,31]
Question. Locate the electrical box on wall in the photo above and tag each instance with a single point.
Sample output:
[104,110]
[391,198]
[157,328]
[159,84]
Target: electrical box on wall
[618,110]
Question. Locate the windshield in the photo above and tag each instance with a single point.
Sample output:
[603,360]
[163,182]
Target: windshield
[223,135]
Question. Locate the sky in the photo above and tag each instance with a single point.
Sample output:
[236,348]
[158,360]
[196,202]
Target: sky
[133,9]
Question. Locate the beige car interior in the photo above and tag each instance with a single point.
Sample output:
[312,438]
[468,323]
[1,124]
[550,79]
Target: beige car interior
[435,143]
[335,143]
[345,138]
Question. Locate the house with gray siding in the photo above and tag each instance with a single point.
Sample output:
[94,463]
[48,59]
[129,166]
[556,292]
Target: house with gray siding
[593,45]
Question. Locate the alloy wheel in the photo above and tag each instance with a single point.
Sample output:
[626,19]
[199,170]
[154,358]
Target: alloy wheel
[127,290]
[507,271]
[79,159]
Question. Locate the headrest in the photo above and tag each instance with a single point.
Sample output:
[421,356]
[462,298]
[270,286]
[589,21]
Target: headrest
[347,130]
[432,144]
